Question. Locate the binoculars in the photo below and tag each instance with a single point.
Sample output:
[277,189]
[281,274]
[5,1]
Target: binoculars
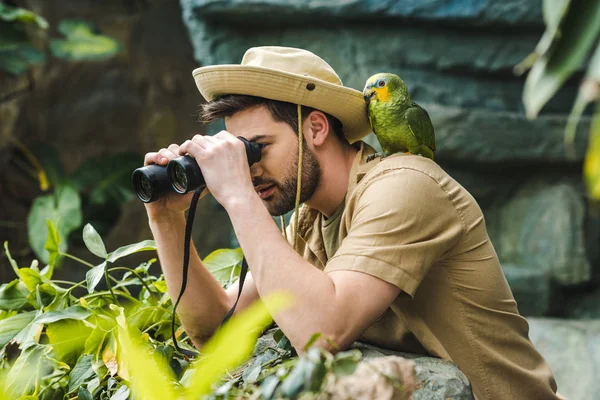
[181,175]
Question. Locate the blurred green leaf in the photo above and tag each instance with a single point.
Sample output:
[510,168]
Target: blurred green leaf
[63,208]
[233,343]
[149,375]
[221,263]
[345,363]
[588,92]
[82,43]
[108,178]
[591,166]
[94,242]
[52,247]
[124,251]
[578,32]
[67,338]
[10,327]
[13,295]
[10,14]
[26,371]
[94,275]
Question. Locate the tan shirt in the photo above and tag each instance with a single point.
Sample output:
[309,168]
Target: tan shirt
[406,221]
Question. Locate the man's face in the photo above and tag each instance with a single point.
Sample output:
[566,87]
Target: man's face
[275,176]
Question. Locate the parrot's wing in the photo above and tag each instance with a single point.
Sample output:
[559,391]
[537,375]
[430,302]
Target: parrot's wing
[370,118]
[420,124]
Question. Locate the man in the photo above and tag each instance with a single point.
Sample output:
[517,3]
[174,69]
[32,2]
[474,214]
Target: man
[391,251]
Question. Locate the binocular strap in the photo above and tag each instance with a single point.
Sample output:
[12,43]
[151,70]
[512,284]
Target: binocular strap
[186,260]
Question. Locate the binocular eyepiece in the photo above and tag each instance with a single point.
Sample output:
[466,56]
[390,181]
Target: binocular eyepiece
[181,175]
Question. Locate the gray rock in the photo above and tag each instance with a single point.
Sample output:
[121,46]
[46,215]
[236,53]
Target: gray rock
[503,137]
[531,288]
[479,12]
[542,227]
[572,349]
[584,305]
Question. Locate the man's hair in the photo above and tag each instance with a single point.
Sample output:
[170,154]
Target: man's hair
[281,111]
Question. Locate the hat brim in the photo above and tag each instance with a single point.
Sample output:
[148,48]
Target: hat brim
[346,104]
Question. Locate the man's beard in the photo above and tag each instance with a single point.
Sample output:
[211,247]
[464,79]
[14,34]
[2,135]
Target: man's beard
[284,200]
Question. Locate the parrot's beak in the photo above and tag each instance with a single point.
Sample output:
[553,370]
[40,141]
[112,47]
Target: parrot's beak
[367,94]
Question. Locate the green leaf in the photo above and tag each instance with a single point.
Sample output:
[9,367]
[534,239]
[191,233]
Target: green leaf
[221,262]
[52,247]
[345,363]
[94,242]
[269,386]
[74,312]
[161,286]
[10,14]
[124,251]
[63,208]
[13,263]
[233,343]
[121,394]
[30,278]
[30,334]
[591,166]
[10,327]
[251,374]
[81,372]
[312,340]
[26,371]
[84,394]
[150,376]
[68,339]
[13,295]
[94,275]
[17,60]
[578,32]
[82,43]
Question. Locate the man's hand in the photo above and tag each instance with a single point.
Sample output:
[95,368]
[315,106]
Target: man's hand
[173,203]
[224,164]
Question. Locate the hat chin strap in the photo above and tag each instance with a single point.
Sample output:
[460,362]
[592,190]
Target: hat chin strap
[298,185]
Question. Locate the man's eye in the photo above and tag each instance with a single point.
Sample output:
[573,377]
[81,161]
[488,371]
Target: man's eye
[262,146]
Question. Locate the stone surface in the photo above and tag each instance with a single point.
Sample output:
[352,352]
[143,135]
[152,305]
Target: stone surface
[530,287]
[572,349]
[542,227]
[478,12]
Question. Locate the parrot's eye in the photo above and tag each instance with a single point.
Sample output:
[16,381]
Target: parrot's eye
[381,83]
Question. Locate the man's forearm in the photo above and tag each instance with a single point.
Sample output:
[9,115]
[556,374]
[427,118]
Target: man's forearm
[205,302]
[276,266]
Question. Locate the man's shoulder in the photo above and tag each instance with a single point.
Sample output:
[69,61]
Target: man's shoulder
[409,166]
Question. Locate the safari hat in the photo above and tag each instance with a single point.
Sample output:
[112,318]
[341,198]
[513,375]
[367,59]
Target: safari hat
[291,75]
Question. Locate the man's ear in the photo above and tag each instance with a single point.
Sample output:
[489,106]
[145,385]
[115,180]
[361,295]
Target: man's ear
[318,127]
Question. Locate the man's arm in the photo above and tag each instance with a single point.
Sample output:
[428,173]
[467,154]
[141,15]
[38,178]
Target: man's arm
[340,304]
[204,303]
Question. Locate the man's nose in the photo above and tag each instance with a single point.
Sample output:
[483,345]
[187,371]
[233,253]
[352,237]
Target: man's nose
[256,169]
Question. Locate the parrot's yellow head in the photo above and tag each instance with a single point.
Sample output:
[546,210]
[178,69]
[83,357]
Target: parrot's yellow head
[384,87]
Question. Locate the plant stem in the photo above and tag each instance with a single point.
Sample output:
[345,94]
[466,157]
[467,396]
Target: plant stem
[139,277]
[78,259]
[107,278]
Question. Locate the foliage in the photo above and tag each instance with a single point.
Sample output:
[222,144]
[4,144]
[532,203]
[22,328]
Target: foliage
[572,36]
[82,42]
[67,340]
[94,192]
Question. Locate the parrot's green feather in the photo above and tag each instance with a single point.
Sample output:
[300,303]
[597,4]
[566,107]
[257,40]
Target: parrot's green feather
[400,124]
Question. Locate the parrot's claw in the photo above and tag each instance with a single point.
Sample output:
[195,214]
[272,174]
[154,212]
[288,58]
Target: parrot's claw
[373,156]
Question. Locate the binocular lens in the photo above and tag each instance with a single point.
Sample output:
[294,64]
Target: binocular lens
[145,187]
[179,178]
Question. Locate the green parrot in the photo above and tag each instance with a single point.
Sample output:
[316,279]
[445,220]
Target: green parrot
[400,124]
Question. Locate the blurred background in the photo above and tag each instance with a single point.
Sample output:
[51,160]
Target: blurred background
[88,87]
